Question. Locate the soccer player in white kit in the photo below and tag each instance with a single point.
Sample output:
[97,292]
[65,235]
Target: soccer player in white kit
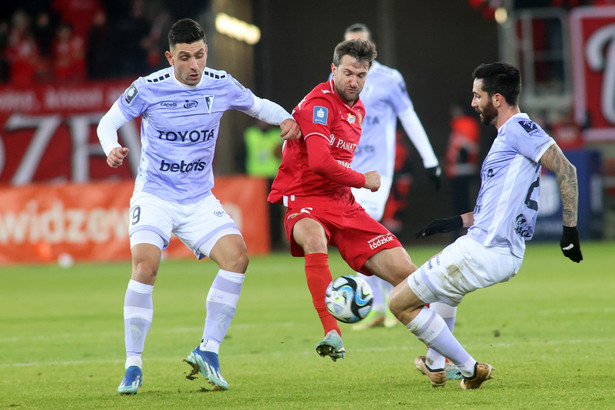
[385,98]
[503,219]
[181,107]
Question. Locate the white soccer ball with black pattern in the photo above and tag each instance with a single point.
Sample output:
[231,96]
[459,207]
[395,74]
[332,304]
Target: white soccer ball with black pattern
[349,298]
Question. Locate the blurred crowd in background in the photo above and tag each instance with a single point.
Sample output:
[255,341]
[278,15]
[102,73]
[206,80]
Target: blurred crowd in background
[69,41]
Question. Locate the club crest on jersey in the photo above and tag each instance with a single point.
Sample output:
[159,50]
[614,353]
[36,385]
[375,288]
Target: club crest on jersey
[320,115]
[351,118]
[131,93]
[209,102]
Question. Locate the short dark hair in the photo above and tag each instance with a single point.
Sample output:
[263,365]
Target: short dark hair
[186,31]
[500,78]
[363,51]
[359,28]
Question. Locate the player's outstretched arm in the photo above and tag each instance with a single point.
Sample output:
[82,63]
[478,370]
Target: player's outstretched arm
[566,176]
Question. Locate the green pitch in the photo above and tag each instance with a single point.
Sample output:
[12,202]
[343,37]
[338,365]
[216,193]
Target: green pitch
[550,333]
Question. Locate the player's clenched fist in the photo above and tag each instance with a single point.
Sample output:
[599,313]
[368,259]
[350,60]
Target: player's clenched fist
[116,156]
[290,129]
[372,181]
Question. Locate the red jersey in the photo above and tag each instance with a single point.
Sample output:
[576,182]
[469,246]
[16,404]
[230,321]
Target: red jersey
[318,164]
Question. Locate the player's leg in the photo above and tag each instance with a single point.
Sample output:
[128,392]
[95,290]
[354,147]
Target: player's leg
[310,235]
[395,265]
[150,229]
[231,255]
[431,329]
[434,282]
[209,231]
[138,305]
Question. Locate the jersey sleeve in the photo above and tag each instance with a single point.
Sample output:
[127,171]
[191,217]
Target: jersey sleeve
[530,140]
[241,98]
[315,117]
[132,102]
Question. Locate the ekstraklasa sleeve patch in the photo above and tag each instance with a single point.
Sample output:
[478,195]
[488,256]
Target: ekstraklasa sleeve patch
[131,93]
[320,115]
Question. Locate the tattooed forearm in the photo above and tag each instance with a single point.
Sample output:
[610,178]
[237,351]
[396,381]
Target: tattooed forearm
[566,176]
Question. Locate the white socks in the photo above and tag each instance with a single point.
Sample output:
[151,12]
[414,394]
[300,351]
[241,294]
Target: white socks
[138,314]
[431,329]
[221,305]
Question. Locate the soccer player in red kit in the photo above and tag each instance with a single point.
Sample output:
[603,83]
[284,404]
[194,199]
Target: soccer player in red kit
[314,181]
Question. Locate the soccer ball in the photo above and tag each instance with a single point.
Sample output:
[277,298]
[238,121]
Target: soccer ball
[349,298]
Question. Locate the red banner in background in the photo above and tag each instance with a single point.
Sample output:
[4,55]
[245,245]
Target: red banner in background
[89,222]
[48,133]
[592,34]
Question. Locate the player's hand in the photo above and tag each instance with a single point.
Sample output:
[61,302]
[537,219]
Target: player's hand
[441,226]
[116,156]
[290,129]
[372,181]
[434,174]
[570,244]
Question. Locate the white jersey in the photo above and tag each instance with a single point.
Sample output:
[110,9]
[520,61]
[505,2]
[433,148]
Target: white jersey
[385,98]
[179,130]
[507,204]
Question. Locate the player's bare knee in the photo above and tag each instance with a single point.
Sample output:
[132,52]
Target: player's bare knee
[235,260]
[145,272]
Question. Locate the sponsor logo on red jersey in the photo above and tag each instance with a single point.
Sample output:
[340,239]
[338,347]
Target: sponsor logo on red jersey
[380,240]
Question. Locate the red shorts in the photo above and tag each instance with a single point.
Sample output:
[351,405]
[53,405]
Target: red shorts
[348,227]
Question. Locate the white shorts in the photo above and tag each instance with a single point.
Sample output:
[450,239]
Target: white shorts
[461,268]
[374,202]
[199,226]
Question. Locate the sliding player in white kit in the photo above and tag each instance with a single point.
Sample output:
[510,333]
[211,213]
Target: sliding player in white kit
[181,107]
[385,98]
[503,219]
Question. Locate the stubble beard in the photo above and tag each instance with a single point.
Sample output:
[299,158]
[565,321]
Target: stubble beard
[488,115]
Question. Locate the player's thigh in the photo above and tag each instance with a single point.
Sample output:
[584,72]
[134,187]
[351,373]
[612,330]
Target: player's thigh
[230,253]
[393,265]
[310,235]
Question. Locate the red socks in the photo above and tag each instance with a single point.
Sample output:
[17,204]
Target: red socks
[318,277]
